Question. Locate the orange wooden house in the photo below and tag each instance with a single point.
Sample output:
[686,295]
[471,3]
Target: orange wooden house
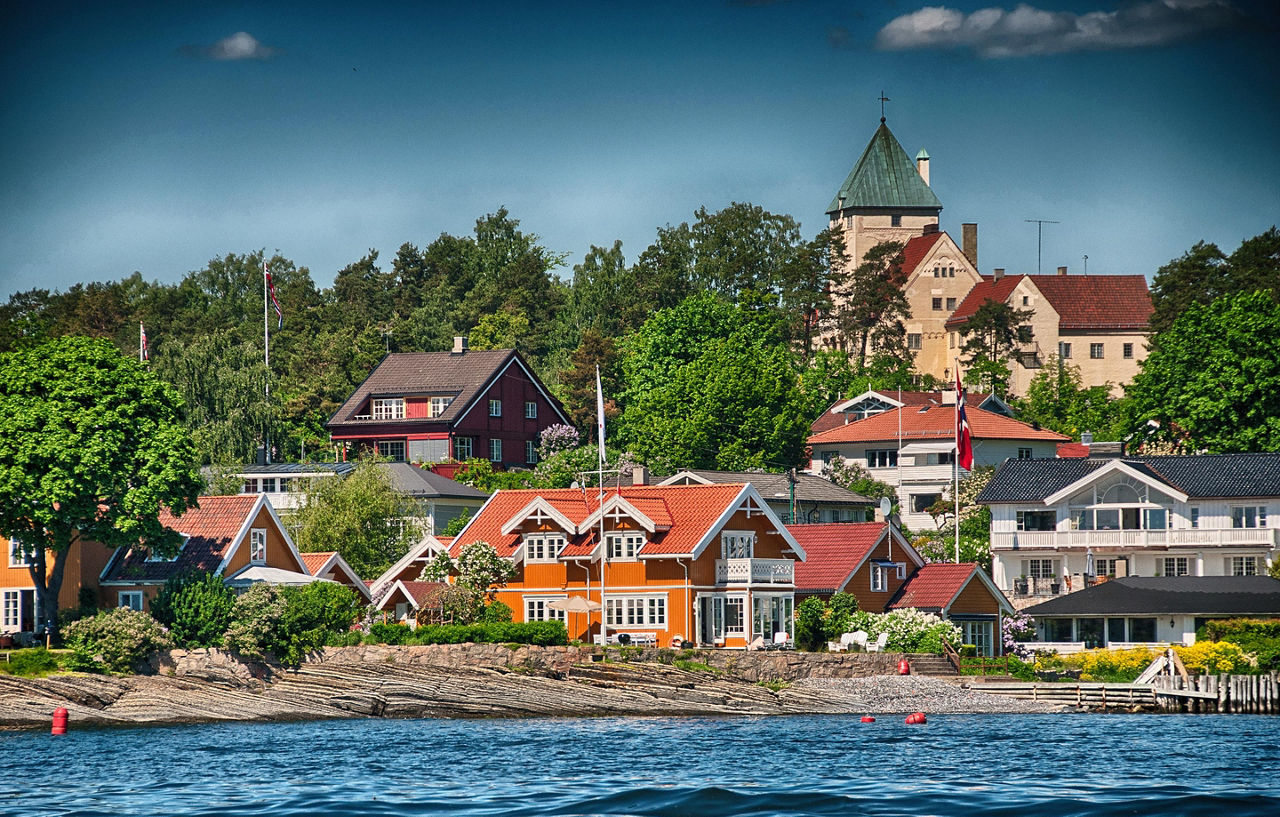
[704,563]
[85,561]
[873,562]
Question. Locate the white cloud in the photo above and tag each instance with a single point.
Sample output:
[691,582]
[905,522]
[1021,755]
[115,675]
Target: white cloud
[239,46]
[1026,30]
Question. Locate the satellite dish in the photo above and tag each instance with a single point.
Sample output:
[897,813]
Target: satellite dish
[885,506]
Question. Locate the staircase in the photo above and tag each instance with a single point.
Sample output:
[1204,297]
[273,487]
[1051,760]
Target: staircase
[935,665]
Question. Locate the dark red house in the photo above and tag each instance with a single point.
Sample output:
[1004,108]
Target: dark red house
[433,406]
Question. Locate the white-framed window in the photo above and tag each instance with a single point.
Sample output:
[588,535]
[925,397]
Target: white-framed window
[131,599]
[914,340]
[495,408]
[737,544]
[635,611]
[1105,567]
[1025,453]
[438,406]
[388,408]
[624,546]
[1194,514]
[881,571]
[1064,351]
[250,486]
[1176,566]
[1040,568]
[11,606]
[268,485]
[536,609]
[882,457]
[1242,566]
[980,634]
[391,449]
[258,546]
[463,448]
[495,450]
[18,556]
[156,557]
[1096,351]
[530,452]
[543,547]
[939,458]
[1249,516]
[1128,351]
[530,409]
[951,304]
[1037,520]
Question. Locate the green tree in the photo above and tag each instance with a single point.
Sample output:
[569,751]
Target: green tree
[1204,273]
[479,574]
[196,607]
[1212,380]
[505,329]
[91,446]
[851,475]
[872,308]
[991,337]
[361,515]
[579,381]
[1057,399]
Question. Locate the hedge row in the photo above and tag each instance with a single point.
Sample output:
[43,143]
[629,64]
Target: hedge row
[542,633]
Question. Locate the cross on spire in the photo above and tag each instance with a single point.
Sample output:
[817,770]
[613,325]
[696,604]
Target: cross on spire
[883,99]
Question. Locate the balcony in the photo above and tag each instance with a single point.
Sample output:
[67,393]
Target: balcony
[755,571]
[1191,537]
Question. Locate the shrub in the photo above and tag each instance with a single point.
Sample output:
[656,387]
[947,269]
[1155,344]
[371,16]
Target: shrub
[542,633]
[380,633]
[196,607]
[256,620]
[913,631]
[115,640]
[840,610]
[809,620]
[1212,657]
[495,612]
[30,663]
[1261,637]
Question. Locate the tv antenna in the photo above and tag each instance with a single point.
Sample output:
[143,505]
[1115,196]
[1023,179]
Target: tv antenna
[1039,222]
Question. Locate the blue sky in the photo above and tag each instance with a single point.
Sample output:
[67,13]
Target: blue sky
[155,136]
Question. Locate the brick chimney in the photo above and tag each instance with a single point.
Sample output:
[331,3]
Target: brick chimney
[459,345]
[922,165]
[969,241]
[997,273]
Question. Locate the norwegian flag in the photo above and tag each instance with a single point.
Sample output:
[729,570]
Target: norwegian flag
[271,291]
[964,445]
[144,354]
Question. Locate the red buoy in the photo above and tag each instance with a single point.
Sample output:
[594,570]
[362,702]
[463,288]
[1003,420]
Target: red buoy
[915,717]
[903,667]
[868,719]
[60,721]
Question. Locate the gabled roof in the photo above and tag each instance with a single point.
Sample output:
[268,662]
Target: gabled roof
[933,423]
[917,248]
[774,487]
[465,376]
[321,562]
[835,551]
[884,178]
[1169,595]
[1200,476]
[691,514]
[423,483]
[416,594]
[213,531]
[934,587]
[1083,302]
[837,414]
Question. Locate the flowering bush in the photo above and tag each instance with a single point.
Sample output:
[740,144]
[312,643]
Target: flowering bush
[115,640]
[558,437]
[913,631]
[1212,657]
[1015,628]
[255,622]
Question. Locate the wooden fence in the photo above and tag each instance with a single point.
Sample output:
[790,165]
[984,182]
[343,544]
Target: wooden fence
[1204,693]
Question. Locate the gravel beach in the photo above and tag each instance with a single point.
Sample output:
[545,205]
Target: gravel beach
[896,694]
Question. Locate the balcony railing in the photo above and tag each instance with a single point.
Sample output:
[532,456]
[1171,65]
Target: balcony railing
[1191,537]
[755,571]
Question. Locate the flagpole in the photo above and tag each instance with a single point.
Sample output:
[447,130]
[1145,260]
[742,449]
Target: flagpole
[142,343]
[266,355]
[956,461]
[604,548]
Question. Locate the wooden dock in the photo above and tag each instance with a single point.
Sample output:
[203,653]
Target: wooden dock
[1257,694]
[1076,693]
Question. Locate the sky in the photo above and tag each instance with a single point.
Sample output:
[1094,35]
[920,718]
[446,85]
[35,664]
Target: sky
[153,137]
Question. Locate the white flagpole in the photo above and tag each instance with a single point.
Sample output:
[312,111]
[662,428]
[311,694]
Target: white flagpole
[956,462]
[142,343]
[604,549]
[266,354]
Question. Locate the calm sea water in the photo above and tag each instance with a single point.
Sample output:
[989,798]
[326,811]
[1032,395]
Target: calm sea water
[954,765]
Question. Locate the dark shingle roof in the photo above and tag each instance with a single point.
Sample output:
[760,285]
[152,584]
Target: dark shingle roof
[884,177]
[1169,595]
[1203,476]
[426,484]
[809,487]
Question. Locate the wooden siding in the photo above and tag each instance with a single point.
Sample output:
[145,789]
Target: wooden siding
[976,598]
[860,585]
[278,553]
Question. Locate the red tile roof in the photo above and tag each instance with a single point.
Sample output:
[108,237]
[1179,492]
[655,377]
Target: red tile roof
[1073,450]
[1083,302]
[687,511]
[916,249]
[315,561]
[423,592]
[933,423]
[832,552]
[211,529]
[933,586]
[830,418]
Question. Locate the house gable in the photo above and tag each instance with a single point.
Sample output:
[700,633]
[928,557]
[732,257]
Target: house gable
[1114,467]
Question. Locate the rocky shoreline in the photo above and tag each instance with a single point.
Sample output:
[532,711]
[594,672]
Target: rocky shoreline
[487,680]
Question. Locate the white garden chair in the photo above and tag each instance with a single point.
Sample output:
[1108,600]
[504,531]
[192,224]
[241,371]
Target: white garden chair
[878,645]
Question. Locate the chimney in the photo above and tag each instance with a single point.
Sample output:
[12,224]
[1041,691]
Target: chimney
[1106,450]
[1086,437]
[922,165]
[997,273]
[969,240]
[459,345]
[1062,270]
[639,475]
[930,229]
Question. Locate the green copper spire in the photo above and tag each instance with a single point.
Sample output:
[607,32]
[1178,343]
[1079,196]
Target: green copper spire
[884,178]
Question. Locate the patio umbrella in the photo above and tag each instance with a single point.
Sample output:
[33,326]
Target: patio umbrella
[574,604]
[1088,562]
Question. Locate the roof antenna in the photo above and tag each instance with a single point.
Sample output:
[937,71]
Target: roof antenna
[1039,222]
[883,99]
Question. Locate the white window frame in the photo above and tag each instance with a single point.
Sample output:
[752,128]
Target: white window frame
[636,611]
[1243,566]
[1181,566]
[438,406]
[1041,568]
[1097,351]
[10,610]
[1105,565]
[737,544]
[495,408]
[131,599]
[1193,515]
[250,486]
[495,449]
[879,578]
[914,340]
[543,547]
[1064,351]
[1127,351]
[394,450]
[258,546]
[531,409]
[881,457]
[1248,516]
[981,634]
[387,408]
[464,448]
[1026,453]
[18,556]
[536,609]
[622,546]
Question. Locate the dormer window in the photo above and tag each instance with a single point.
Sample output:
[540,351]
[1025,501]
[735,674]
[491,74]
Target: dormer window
[543,547]
[388,408]
[438,405]
[624,546]
[18,555]
[152,556]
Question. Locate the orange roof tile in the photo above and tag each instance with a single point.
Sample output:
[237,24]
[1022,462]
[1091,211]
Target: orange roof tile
[1073,450]
[833,551]
[933,423]
[830,419]
[933,586]
[687,512]
[916,249]
[1083,302]
[210,528]
[315,561]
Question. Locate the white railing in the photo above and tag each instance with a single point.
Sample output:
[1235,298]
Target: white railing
[1069,647]
[1027,540]
[755,571]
